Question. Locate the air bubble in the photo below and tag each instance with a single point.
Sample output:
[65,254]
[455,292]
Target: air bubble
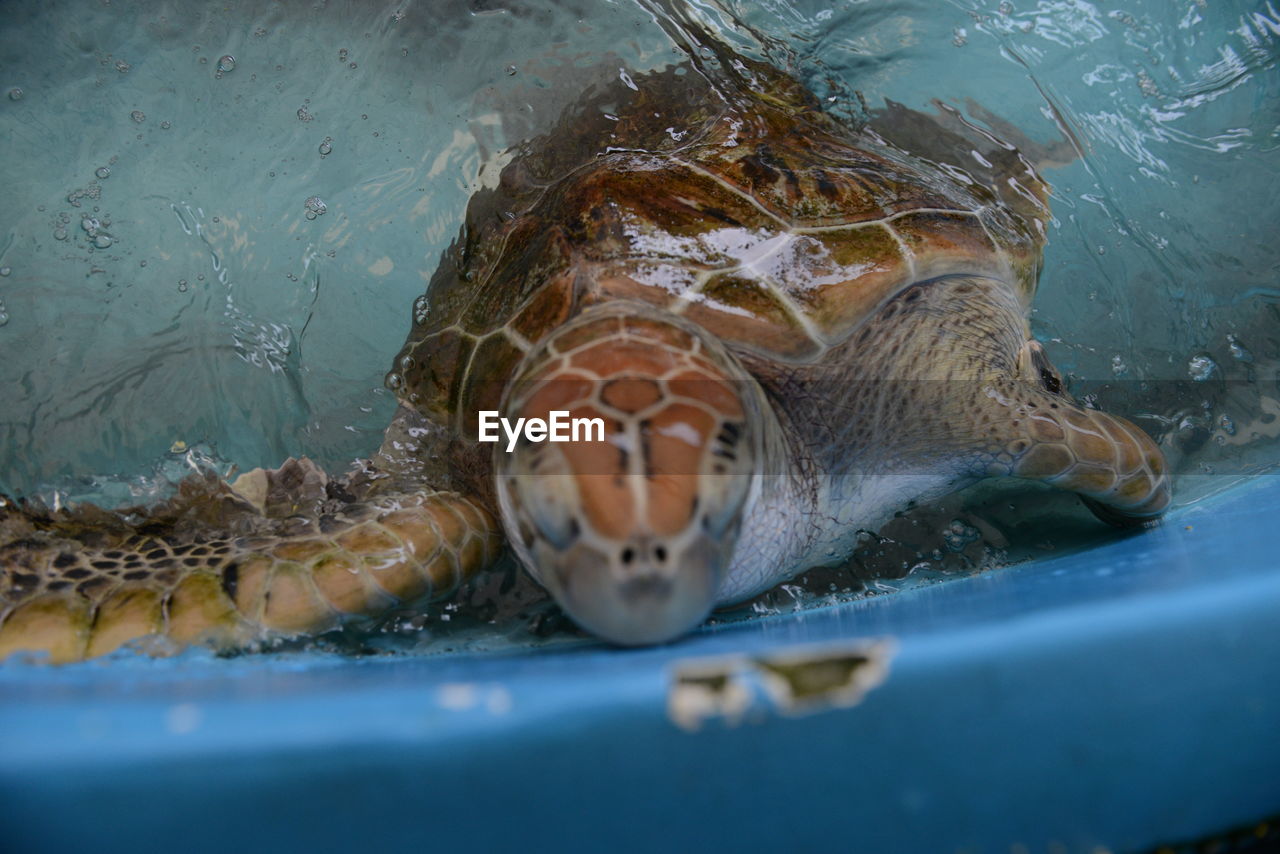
[1201,367]
[1146,85]
[226,63]
[1239,352]
[394,381]
[102,172]
[138,116]
[90,225]
[59,233]
[315,207]
[15,94]
[957,535]
[102,241]
[325,147]
[165,125]
[511,71]
[304,114]
[182,285]
[122,66]
[4,317]
[1228,426]
[5,271]
[1118,367]
[343,53]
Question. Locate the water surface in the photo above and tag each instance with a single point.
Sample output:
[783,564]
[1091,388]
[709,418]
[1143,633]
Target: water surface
[214,219]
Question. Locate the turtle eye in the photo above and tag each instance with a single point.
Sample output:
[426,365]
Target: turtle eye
[1042,368]
[1050,381]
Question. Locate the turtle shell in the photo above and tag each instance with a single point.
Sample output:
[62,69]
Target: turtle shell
[759,217]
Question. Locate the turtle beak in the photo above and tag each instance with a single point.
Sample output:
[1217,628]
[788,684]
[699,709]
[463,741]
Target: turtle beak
[644,594]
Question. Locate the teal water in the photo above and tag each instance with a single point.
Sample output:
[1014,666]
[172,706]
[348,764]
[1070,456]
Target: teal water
[214,219]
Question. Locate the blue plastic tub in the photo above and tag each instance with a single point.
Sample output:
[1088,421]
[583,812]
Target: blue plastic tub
[1112,699]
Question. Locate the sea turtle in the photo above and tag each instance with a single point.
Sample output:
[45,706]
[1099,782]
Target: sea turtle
[787,327]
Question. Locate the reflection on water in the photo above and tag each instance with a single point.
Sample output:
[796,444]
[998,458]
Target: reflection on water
[215,222]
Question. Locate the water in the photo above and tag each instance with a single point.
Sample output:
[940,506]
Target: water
[215,222]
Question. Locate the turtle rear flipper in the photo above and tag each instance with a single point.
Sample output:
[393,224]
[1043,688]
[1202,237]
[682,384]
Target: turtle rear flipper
[277,565]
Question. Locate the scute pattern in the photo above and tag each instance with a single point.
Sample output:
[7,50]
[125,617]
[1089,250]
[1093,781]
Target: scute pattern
[670,416]
[75,590]
[764,221]
[808,178]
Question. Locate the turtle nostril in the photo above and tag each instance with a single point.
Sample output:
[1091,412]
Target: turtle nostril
[628,555]
[660,554]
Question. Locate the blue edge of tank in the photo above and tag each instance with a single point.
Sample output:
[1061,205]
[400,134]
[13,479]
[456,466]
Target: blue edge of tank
[1119,697]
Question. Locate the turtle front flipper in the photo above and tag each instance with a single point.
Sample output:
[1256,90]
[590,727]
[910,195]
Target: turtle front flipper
[1040,433]
[73,591]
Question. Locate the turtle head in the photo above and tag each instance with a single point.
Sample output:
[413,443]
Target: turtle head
[628,509]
